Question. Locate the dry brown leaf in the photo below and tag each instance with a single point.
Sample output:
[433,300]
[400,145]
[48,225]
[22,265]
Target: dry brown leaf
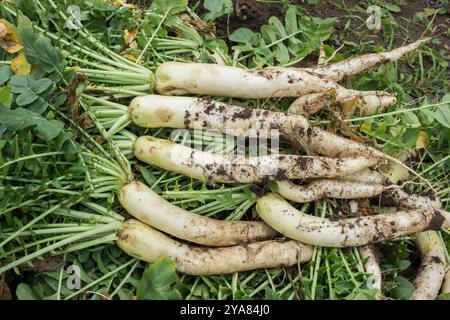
[199,25]
[9,39]
[20,65]
[47,263]
[5,292]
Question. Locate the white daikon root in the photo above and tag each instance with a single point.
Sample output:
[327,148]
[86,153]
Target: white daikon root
[142,203]
[292,223]
[147,244]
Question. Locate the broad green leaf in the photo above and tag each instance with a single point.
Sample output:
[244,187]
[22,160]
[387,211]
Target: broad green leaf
[49,129]
[49,57]
[442,113]
[403,290]
[273,186]
[361,294]
[19,84]
[170,6]
[242,35]
[40,52]
[410,119]
[38,106]
[23,21]
[279,28]
[270,294]
[17,119]
[29,8]
[5,74]
[24,292]
[281,53]
[40,85]
[20,118]
[443,296]
[202,291]
[158,281]
[292,29]
[402,265]
[409,137]
[26,98]
[269,33]
[28,91]
[426,116]
[219,6]
[392,7]
[381,130]
[6,97]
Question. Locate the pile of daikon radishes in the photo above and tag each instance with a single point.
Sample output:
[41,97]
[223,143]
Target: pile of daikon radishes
[331,167]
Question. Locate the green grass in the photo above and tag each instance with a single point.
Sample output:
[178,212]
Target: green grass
[35,180]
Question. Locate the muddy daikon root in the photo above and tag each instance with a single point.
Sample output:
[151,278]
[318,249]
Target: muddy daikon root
[148,244]
[142,203]
[232,168]
[327,188]
[175,78]
[446,284]
[347,232]
[432,266]
[154,111]
[365,102]
[343,69]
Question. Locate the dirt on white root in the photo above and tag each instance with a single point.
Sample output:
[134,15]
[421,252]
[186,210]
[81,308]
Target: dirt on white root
[220,168]
[346,232]
[147,206]
[148,244]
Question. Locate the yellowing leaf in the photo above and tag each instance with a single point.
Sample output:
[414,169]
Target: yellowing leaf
[129,56]
[366,127]
[20,65]
[9,39]
[421,140]
[123,3]
[394,172]
[349,106]
[3,30]
[73,68]
[130,38]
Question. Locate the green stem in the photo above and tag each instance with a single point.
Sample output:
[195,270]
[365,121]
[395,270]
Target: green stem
[35,243]
[34,156]
[125,279]
[106,276]
[153,35]
[110,238]
[106,228]
[29,224]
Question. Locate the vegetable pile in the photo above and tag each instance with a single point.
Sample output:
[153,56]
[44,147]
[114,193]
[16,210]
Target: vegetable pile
[167,153]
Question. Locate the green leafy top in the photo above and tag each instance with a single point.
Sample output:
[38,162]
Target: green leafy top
[299,36]
[158,282]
